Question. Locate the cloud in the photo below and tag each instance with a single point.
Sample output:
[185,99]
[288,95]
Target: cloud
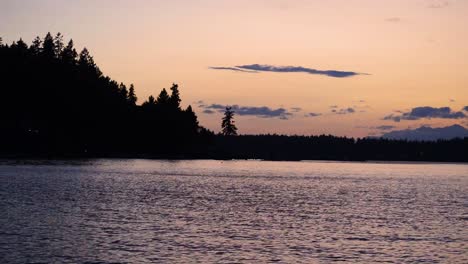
[465,108]
[426,112]
[344,111]
[296,109]
[258,111]
[333,106]
[255,68]
[208,111]
[313,114]
[384,127]
[393,19]
[284,69]
[231,69]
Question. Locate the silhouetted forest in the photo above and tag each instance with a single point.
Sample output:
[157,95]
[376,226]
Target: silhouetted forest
[327,147]
[56,103]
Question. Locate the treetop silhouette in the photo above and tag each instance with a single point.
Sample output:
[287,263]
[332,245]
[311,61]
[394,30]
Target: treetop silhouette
[57,103]
[71,107]
[228,128]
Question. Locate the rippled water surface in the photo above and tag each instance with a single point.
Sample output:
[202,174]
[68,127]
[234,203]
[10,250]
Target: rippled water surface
[143,211]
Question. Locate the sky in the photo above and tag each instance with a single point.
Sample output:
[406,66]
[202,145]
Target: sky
[342,67]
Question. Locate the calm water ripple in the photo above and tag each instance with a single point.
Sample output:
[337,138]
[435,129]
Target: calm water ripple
[143,211]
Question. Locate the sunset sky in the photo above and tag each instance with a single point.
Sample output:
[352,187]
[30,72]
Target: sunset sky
[342,67]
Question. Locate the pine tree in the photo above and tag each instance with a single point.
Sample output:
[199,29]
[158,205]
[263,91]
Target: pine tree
[123,91]
[21,46]
[36,46]
[149,102]
[163,98]
[175,100]
[192,117]
[58,45]
[69,53]
[48,46]
[228,128]
[132,99]
[85,60]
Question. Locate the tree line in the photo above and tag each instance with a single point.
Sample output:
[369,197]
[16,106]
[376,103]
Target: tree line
[56,102]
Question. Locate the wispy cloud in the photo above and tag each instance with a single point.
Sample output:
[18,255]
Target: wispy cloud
[344,111]
[254,68]
[384,127]
[313,114]
[426,112]
[258,111]
[296,109]
[231,69]
[208,111]
[271,68]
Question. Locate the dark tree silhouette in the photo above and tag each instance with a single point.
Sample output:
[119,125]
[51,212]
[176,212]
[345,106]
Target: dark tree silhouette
[69,54]
[59,103]
[132,99]
[228,128]
[48,46]
[150,101]
[55,103]
[36,47]
[58,45]
[163,98]
[175,100]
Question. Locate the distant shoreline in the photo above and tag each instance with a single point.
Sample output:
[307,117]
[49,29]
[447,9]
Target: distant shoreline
[83,158]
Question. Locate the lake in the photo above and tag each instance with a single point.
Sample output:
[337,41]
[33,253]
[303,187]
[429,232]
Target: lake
[203,211]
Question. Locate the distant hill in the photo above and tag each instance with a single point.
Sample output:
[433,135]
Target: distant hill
[428,133]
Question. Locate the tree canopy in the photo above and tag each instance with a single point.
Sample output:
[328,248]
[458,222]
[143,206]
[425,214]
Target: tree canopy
[59,101]
[228,128]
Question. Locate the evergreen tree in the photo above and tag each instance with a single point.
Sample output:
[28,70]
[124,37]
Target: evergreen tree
[36,46]
[85,58]
[21,46]
[69,53]
[192,119]
[1,42]
[228,128]
[58,45]
[163,98]
[150,102]
[175,100]
[86,61]
[48,46]
[132,99]
[123,91]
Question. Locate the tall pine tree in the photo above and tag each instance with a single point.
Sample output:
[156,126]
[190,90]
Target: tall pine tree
[69,53]
[132,99]
[48,46]
[175,100]
[228,128]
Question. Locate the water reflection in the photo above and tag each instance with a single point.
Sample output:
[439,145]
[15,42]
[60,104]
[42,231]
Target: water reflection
[232,211]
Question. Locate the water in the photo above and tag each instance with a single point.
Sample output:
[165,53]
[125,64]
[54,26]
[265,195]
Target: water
[143,211]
